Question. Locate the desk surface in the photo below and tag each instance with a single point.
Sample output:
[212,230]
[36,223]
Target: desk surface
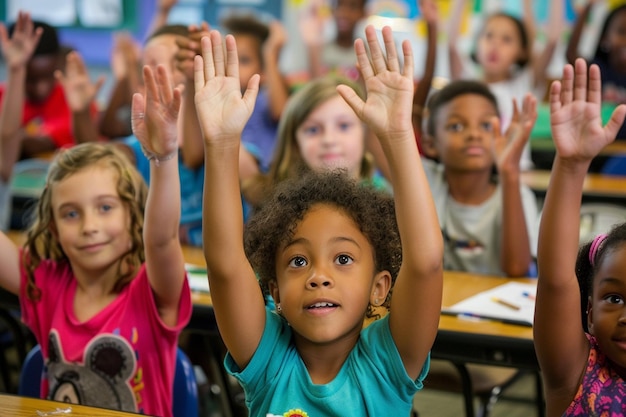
[606,188]
[15,406]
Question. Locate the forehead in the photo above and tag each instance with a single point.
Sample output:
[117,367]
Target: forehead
[333,106]
[467,106]
[325,220]
[42,66]
[613,263]
[501,23]
[160,49]
[88,182]
[247,43]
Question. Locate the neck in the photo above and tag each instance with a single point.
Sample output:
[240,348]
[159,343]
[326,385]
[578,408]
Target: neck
[471,188]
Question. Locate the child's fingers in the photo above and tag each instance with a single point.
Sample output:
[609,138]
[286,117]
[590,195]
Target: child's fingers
[218,53]
[152,92]
[208,67]
[616,121]
[516,114]
[198,73]
[392,55]
[567,85]
[594,94]
[252,90]
[378,60]
[352,98]
[363,61]
[138,108]
[580,80]
[232,58]
[164,85]
[555,97]
[407,51]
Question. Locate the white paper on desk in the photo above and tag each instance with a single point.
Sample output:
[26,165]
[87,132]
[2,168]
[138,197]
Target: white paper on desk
[483,305]
[198,278]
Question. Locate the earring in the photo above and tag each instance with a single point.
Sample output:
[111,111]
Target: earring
[376,301]
[279,309]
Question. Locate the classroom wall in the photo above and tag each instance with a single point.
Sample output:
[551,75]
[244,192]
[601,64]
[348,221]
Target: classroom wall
[95,45]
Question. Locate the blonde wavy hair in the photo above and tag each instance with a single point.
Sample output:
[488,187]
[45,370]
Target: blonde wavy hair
[42,244]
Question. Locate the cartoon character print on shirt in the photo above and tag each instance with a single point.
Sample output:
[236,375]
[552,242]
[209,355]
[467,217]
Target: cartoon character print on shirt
[103,380]
[290,413]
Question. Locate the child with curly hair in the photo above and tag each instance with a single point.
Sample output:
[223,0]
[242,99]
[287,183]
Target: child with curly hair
[327,249]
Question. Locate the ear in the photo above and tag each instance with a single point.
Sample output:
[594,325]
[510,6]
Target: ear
[589,316]
[380,289]
[428,146]
[273,287]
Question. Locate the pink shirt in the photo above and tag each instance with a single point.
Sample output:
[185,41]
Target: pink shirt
[121,358]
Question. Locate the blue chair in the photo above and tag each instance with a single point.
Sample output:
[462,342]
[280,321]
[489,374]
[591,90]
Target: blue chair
[185,394]
[615,165]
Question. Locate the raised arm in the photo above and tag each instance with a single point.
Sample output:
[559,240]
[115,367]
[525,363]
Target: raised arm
[277,89]
[223,112]
[16,52]
[416,301]
[578,136]
[571,53]
[515,256]
[80,94]
[553,31]
[454,28]
[154,119]
[429,11]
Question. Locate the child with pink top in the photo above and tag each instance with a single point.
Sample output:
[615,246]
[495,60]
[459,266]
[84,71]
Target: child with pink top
[101,282]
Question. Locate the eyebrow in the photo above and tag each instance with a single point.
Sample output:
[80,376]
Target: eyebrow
[336,239]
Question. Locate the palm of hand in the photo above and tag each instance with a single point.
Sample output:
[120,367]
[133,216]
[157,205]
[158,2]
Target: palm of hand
[222,106]
[159,124]
[577,130]
[389,103]
[19,49]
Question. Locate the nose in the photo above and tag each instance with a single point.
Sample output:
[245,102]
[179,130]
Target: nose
[319,279]
[90,223]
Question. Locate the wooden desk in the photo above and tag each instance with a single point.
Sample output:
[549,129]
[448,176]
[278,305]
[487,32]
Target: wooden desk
[484,342]
[15,406]
[596,188]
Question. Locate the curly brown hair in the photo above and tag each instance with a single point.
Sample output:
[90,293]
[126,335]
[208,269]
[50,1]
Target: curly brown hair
[372,210]
[41,244]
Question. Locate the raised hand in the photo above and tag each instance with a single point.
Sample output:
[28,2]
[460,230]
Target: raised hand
[429,11]
[575,120]
[189,47]
[311,22]
[125,56]
[277,38]
[222,110]
[155,113]
[80,92]
[388,109]
[20,47]
[508,147]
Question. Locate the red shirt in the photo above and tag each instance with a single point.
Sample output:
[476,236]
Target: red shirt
[51,118]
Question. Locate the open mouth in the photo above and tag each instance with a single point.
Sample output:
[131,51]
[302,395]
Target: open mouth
[320,305]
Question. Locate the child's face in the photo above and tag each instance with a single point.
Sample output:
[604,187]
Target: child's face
[615,40]
[325,277]
[332,136]
[464,133]
[91,222]
[40,77]
[248,50]
[607,312]
[347,14]
[499,46]
[162,51]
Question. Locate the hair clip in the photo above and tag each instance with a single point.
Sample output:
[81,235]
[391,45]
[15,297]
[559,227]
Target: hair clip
[595,245]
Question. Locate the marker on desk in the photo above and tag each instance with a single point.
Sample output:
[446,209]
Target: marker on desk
[529,295]
[505,303]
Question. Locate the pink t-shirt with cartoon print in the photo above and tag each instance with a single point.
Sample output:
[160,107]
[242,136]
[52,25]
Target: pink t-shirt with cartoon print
[121,358]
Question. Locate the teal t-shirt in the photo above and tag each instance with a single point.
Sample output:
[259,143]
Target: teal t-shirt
[371,382]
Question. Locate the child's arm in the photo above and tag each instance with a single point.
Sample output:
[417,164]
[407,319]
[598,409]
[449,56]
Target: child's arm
[311,25]
[154,118]
[161,14]
[16,52]
[571,53]
[125,59]
[454,28]
[10,261]
[553,32]
[223,113]
[578,135]
[274,82]
[515,256]
[429,11]
[80,94]
[416,301]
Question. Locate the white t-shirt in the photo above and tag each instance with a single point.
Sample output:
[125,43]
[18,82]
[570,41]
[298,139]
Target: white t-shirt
[472,234]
